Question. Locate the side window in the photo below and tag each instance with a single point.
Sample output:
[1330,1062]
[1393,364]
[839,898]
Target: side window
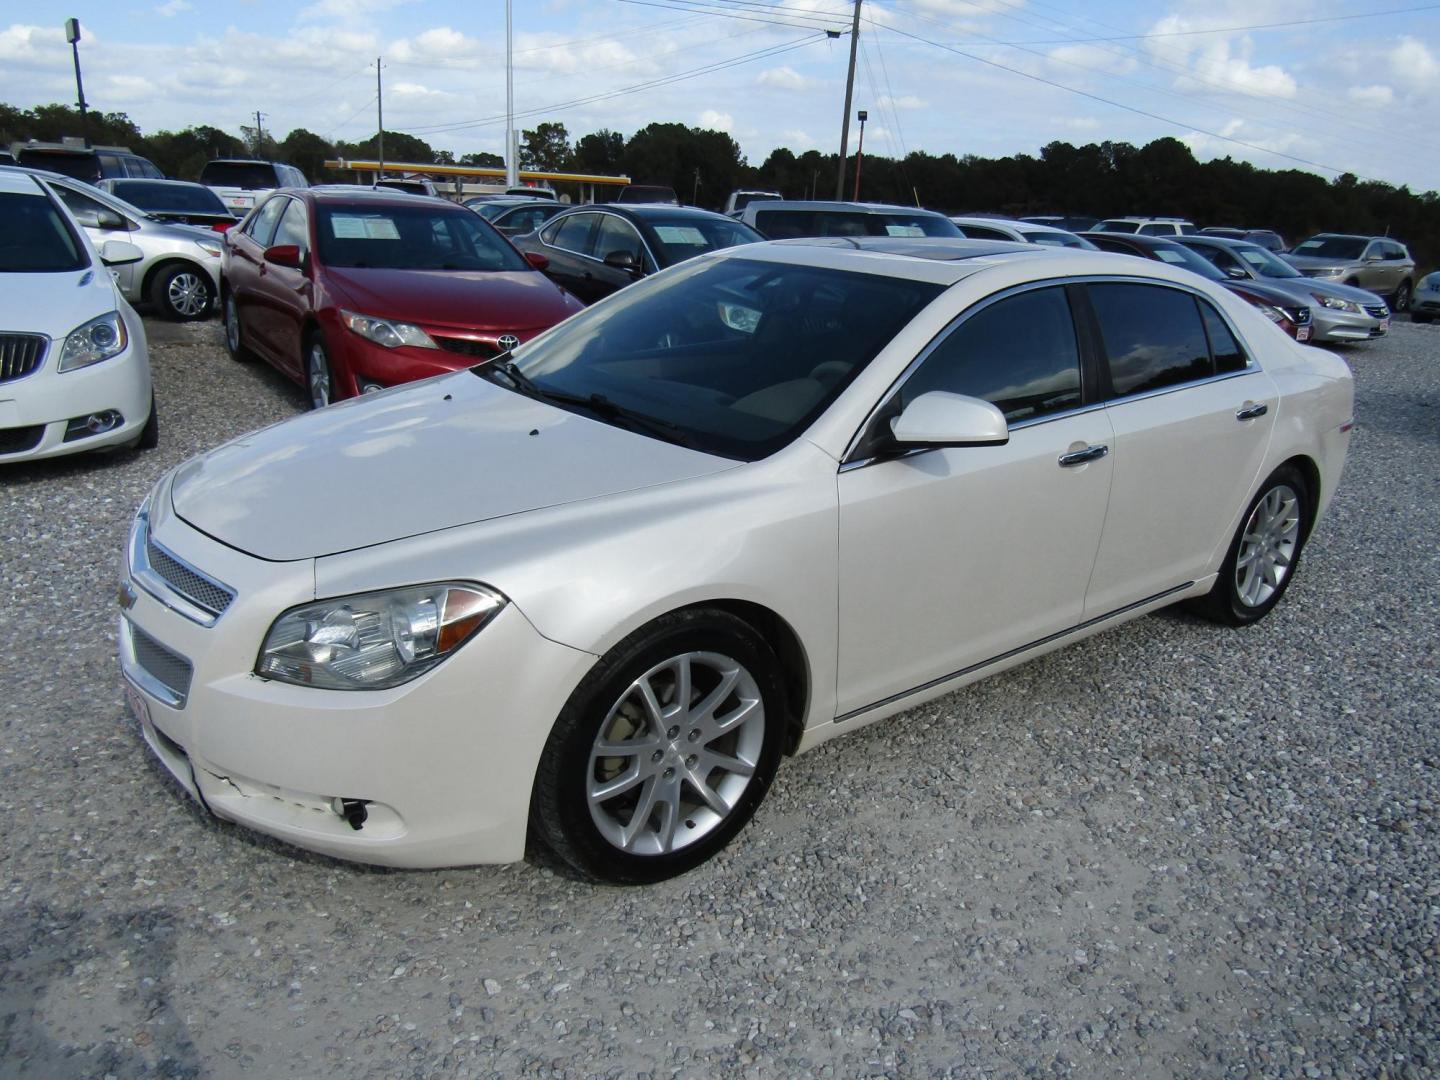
[617,234]
[1376,250]
[979,232]
[1019,354]
[110,165]
[293,226]
[1188,230]
[1394,251]
[1223,346]
[86,210]
[1222,258]
[150,170]
[1154,229]
[787,224]
[575,233]
[262,225]
[1153,336]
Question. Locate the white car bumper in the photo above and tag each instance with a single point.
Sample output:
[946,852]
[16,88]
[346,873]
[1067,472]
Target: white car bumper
[36,410]
[443,765]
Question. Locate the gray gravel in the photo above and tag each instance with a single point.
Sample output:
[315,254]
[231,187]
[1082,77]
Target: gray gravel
[1171,850]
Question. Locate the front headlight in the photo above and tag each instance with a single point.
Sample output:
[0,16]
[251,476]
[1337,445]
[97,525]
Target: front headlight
[1329,271]
[387,332]
[209,248]
[1334,303]
[377,640]
[99,339]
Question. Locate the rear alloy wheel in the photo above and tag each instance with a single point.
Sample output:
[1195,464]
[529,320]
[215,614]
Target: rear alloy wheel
[182,293]
[234,339]
[1401,300]
[1264,554]
[663,752]
[319,379]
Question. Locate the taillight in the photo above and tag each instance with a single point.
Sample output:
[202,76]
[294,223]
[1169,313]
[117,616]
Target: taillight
[221,226]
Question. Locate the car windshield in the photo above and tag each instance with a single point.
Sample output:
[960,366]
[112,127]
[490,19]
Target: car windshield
[35,237]
[730,356]
[76,166]
[420,237]
[491,210]
[1332,247]
[246,175]
[150,195]
[1264,263]
[682,237]
[1179,255]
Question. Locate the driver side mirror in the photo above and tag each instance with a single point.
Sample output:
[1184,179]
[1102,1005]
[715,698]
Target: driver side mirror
[119,253]
[285,255]
[935,419]
[623,260]
[1235,272]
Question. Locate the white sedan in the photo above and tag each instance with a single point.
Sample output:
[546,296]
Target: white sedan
[595,592]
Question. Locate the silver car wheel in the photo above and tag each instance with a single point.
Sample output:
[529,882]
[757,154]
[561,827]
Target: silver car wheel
[187,294]
[1268,545]
[232,325]
[319,376]
[675,753]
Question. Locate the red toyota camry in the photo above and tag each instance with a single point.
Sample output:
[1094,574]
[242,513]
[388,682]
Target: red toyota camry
[351,291]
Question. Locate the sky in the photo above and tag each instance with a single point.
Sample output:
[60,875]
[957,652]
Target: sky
[1327,86]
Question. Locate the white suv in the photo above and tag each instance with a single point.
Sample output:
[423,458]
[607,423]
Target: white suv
[1148,226]
[74,367]
[242,184]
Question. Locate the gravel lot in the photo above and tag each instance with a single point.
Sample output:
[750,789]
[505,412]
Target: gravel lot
[1171,850]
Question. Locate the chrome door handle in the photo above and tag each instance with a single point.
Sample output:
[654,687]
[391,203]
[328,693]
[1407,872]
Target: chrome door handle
[1080,457]
[1250,412]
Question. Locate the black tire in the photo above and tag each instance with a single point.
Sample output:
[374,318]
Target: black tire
[182,293]
[319,375]
[1416,317]
[1401,300]
[560,814]
[150,433]
[233,330]
[1225,603]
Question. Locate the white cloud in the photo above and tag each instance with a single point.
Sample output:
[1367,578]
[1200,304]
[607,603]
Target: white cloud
[129,88]
[1208,146]
[904,101]
[797,139]
[173,7]
[1108,61]
[1214,59]
[1414,64]
[348,9]
[29,44]
[717,121]
[783,78]
[1078,123]
[1376,95]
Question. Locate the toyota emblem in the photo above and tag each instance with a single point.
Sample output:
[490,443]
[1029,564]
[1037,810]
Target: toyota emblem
[507,341]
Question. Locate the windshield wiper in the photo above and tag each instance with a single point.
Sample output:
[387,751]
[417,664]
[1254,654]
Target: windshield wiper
[512,374]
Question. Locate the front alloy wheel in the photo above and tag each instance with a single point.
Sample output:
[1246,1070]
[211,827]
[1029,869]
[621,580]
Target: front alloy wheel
[234,343]
[318,379]
[663,751]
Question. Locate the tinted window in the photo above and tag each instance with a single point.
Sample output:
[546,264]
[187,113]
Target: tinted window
[1117,226]
[110,165]
[78,166]
[87,211]
[293,228]
[262,225]
[616,235]
[1223,347]
[423,235]
[1266,264]
[152,196]
[247,175]
[732,356]
[1188,230]
[1181,255]
[1331,247]
[1157,230]
[1019,354]
[35,237]
[679,238]
[573,233]
[980,232]
[525,219]
[1153,336]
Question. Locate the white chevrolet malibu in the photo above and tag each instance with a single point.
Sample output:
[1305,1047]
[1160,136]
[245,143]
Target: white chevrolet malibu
[592,594]
[74,368]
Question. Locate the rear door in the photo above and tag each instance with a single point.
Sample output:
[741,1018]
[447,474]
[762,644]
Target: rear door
[1192,415]
[569,245]
[284,294]
[615,235]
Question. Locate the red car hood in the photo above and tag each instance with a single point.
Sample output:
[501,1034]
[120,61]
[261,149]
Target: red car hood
[470,299]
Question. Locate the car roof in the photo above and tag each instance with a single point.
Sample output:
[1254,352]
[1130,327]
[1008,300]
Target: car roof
[647,211]
[1138,239]
[148,180]
[340,194]
[833,204]
[243,161]
[1211,238]
[1342,236]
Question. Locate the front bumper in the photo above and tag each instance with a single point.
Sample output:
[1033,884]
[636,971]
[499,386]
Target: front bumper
[1333,325]
[364,363]
[36,410]
[443,764]
[1426,302]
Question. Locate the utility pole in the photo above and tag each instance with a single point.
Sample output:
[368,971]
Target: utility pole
[72,35]
[860,153]
[259,133]
[849,91]
[380,119]
[512,148]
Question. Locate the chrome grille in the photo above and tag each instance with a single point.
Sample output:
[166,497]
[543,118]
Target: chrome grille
[21,355]
[192,585]
[1378,311]
[169,669]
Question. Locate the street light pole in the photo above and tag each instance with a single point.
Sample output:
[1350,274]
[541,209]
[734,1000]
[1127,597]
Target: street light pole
[512,148]
[380,122]
[72,35]
[849,92]
[860,153]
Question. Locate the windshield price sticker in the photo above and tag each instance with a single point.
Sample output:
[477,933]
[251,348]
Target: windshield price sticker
[354,227]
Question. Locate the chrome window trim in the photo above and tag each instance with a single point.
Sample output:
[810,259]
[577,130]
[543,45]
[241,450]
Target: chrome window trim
[1251,365]
[157,587]
[561,225]
[602,215]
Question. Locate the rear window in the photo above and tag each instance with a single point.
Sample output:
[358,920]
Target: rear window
[148,195]
[247,175]
[36,238]
[1117,226]
[788,224]
[76,166]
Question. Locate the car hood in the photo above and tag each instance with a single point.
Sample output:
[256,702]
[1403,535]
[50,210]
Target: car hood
[469,299]
[1306,288]
[55,304]
[433,455]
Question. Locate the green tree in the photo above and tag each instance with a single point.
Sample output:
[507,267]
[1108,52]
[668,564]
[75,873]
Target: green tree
[546,149]
[601,152]
[673,154]
[308,152]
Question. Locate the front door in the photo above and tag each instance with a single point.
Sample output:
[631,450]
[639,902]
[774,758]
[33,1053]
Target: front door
[952,557]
